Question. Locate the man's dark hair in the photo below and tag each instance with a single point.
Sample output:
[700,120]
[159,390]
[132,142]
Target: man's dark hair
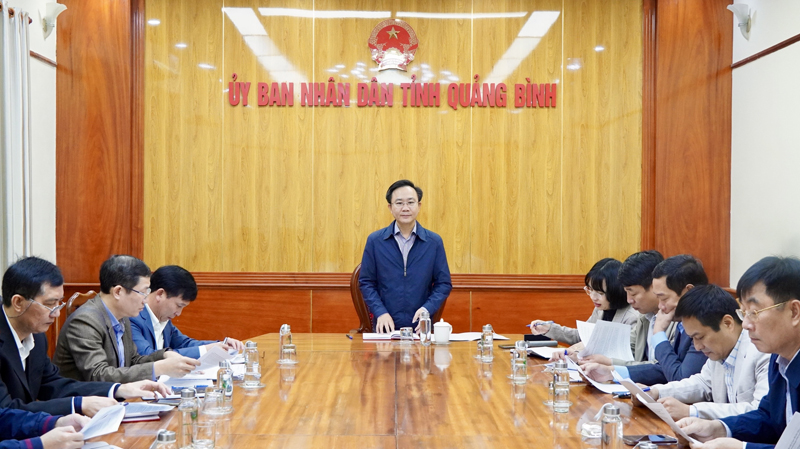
[708,304]
[176,281]
[681,270]
[780,275]
[122,270]
[27,276]
[607,270]
[638,268]
[402,183]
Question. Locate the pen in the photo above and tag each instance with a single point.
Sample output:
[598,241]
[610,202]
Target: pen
[349,336]
[224,342]
[539,324]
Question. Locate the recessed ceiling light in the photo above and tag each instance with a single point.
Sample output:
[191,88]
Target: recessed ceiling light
[154,22]
[180,45]
[203,65]
[599,48]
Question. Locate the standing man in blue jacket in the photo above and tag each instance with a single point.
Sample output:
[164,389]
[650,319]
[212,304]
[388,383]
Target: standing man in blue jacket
[404,268]
[769,297]
[171,289]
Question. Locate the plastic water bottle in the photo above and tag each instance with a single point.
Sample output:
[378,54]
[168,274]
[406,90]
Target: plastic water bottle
[225,381]
[611,437]
[561,387]
[165,439]
[285,338]
[425,328]
[188,411]
[487,344]
[252,371]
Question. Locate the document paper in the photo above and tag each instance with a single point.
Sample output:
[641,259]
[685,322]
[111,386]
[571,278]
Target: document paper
[473,336]
[605,388]
[106,421]
[791,434]
[212,357]
[612,340]
[657,408]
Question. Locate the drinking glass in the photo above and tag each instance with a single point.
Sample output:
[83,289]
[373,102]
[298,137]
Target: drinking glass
[288,354]
[406,335]
[204,435]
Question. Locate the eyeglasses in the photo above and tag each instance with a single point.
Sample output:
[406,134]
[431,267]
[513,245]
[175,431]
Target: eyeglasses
[401,204]
[590,291]
[52,310]
[144,293]
[753,316]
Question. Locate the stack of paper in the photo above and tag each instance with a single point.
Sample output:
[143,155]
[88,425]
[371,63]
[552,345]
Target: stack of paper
[612,340]
[141,411]
[473,336]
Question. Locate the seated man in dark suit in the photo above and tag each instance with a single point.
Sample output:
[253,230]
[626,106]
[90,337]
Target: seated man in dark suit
[769,295]
[96,343]
[33,294]
[20,429]
[676,359]
[404,269]
[171,289]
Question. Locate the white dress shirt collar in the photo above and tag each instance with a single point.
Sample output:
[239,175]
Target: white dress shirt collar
[158,327]
[25,347]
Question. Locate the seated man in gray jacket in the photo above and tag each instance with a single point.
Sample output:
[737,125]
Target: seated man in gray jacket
[733,379]
[96,341]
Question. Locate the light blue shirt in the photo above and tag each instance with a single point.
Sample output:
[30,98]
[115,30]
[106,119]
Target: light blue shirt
[119,331]
[405,244]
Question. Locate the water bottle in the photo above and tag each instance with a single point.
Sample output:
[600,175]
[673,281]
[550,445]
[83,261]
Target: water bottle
[225,381]
[165,439]
[487,344]
[519,363]
[561,387]
[188,411]
[285,338]
[252,370]
[425,328]
[611,436]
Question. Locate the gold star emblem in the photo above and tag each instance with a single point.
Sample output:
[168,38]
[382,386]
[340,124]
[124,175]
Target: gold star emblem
[393,33]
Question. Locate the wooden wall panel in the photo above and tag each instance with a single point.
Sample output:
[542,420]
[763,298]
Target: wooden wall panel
[516,219]
[298,189]
[693,131]
[359,152]
[220,312]
[333,311]
[510,312]
[95,161]
[602,146]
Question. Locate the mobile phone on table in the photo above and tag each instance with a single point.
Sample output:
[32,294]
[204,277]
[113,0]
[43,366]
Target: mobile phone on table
[506,346]
[633,440]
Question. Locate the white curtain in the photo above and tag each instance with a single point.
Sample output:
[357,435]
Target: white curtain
[15,138]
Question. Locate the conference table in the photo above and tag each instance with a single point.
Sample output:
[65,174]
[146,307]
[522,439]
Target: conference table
[347,393]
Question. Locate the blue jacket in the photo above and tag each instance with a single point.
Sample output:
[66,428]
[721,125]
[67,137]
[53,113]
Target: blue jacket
[388,288]
[145,337]
[674,362]
[20,424]
[761,428]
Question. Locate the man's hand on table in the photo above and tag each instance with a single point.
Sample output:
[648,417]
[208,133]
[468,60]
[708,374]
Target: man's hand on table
[384,324]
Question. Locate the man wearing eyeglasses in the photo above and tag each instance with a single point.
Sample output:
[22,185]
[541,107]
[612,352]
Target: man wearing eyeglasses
[33,294]
[173,289]
[96,342]
[404,269]
[769,293]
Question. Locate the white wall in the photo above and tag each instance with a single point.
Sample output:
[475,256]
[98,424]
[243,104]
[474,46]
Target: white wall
[43,140]
[765,159]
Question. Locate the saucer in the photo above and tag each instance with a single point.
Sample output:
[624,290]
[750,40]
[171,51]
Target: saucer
[444,343]
[254,387]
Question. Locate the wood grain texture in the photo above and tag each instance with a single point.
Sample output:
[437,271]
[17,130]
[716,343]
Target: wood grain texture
[693,129]
[94,175]
[602,137]
[357,394]
[219,313]
[298,189]
[511,311]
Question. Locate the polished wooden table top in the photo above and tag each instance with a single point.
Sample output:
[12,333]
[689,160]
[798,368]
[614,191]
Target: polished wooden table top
[350,393]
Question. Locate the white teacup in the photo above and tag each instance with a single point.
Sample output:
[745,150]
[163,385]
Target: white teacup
[441,332]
